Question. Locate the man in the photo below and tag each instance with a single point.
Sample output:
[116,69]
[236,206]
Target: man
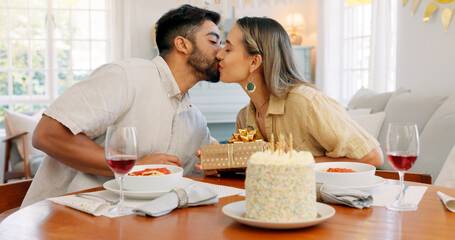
[151,95]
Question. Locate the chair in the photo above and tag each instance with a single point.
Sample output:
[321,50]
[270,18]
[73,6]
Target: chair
[11,196]
[21,159]
[12,156]
[408,176]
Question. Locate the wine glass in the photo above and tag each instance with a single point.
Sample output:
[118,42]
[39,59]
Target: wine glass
[121,154]
[402,149]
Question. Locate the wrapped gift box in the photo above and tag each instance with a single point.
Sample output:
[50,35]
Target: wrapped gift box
[229,156]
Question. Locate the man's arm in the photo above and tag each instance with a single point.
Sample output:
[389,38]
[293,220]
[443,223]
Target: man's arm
[76,151]
[80,152]
[375,158]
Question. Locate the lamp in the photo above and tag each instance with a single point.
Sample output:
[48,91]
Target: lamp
[294,22]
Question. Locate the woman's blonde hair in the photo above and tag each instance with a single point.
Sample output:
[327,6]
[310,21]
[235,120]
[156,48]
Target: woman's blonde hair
[268,38]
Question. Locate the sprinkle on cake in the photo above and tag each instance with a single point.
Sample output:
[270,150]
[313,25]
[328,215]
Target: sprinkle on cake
[281,186]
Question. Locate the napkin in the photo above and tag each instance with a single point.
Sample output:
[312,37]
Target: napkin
[94,207]
[448,201]
[387,194]
[223,191]
[344,196]
[178,198]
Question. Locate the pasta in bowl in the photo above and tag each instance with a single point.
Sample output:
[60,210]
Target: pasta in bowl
[344,173]
[154,177]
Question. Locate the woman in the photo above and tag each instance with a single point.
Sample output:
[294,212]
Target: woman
[258,56]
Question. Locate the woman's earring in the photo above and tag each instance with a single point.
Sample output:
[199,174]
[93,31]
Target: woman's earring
[250,87]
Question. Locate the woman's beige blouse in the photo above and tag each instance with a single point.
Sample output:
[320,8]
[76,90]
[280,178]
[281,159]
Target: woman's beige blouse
[318,124]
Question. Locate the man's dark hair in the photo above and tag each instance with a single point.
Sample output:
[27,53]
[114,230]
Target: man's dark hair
[183,21]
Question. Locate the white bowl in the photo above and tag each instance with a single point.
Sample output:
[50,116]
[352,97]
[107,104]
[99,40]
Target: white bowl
[364,173]
[153,183]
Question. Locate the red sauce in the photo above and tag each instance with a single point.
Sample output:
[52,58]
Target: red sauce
[145,172]
[345,170]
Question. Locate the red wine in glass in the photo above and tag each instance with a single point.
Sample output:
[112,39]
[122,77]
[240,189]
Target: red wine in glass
[121,153]
[401,161]
[402,148]
[121,164]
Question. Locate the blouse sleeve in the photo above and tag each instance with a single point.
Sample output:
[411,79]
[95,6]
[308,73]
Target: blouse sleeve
[331,126]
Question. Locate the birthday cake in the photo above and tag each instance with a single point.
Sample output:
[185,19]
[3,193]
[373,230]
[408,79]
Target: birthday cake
[281,186]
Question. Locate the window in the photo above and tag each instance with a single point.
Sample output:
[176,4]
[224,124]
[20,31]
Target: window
[355,49]
[46,46]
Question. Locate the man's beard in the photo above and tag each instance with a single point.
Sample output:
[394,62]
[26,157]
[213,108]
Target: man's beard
[203,67]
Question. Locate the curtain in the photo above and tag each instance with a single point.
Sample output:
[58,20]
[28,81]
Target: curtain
[329,61]
[132,23]
[123,28]
[329,47]
[383,46]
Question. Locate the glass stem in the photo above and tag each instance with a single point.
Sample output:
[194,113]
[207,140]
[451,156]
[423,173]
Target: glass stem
[122,197]
[401,175]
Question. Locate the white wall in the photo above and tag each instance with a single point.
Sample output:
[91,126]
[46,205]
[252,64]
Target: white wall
[425,55]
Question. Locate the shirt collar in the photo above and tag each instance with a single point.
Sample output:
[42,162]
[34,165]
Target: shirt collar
[251,118]
[170,86]
[167,79]
[276,105]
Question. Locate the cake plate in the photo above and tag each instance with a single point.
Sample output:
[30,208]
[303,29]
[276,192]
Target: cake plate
[236,211]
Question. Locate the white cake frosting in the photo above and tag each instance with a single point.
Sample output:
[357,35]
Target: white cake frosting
[280,187]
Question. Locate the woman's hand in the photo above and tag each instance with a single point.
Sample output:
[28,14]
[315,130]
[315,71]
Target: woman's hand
[278,145]
[198,166]
[159,158]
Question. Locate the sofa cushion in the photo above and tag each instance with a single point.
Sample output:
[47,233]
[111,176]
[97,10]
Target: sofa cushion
[372,123]
[359,111]
[408,107]
[365,98]
[411,107]
[439,133]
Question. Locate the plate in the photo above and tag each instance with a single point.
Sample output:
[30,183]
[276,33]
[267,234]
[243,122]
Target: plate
[112,186]
[376,182]
[236,211]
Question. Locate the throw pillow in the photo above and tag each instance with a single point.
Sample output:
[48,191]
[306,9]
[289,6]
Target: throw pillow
[372,123]
[359,111]
[365,98]
[17,123]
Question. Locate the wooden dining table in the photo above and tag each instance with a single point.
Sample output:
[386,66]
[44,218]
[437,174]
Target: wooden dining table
[47,220]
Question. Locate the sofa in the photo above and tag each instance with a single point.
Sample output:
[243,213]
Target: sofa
[434,115]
